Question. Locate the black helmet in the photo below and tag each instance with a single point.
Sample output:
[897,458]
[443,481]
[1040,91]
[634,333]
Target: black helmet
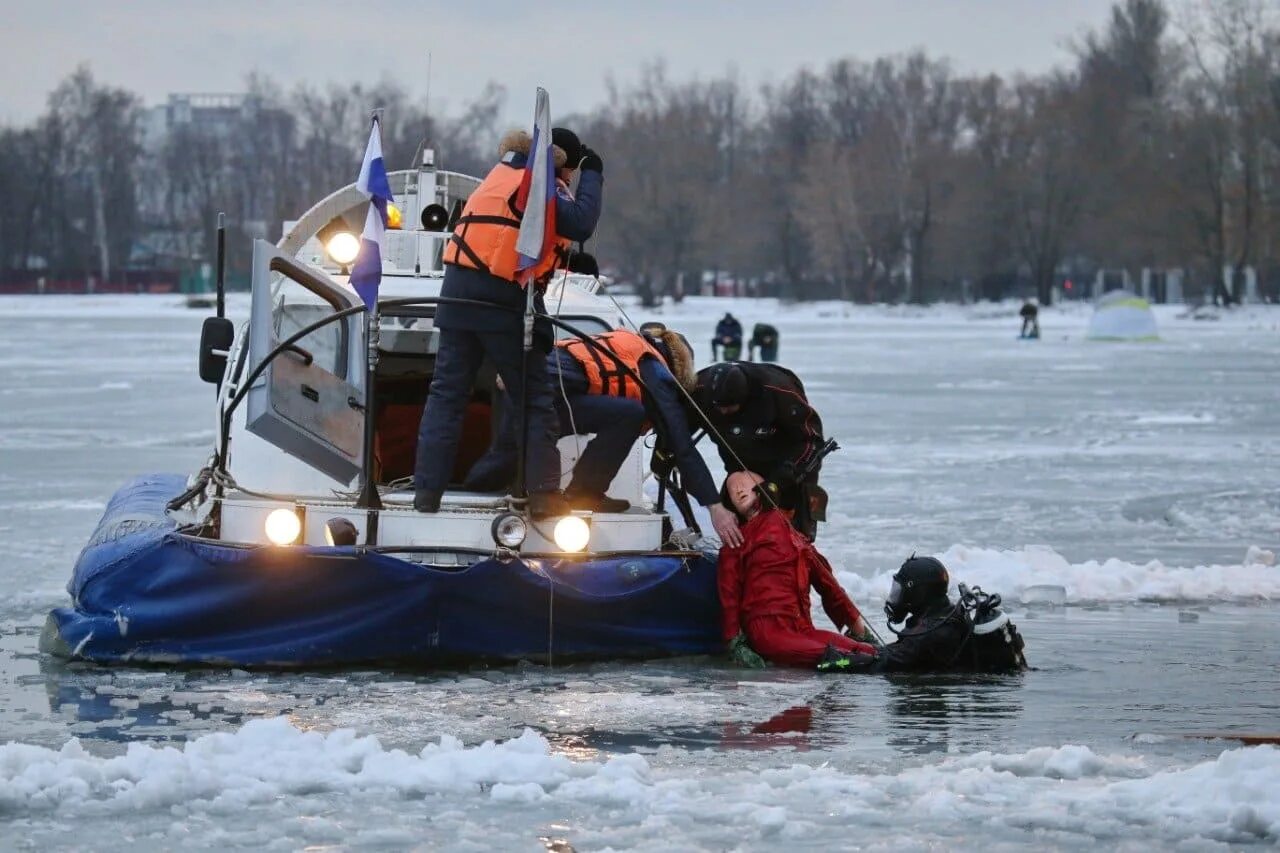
[919,583]
[728,385]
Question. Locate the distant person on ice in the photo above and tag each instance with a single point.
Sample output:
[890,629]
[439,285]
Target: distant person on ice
[727,344]
[764,590]
[765,338]
[1030,315]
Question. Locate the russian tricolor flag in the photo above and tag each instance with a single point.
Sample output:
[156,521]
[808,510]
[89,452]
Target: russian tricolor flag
[538,224]
[366,272]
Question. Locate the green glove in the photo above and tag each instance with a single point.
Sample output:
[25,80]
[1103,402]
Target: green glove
[741,653]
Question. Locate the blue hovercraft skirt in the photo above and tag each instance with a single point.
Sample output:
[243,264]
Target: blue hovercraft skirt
[143,592]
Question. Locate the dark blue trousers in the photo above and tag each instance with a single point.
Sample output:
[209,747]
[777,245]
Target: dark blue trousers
[616,422]
[458,361]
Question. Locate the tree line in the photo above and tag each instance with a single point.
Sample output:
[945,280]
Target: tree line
[896,179]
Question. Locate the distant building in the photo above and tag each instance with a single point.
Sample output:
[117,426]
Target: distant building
[218,112]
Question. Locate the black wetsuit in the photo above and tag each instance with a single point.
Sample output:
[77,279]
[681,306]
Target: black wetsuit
[940,640]
[775,431]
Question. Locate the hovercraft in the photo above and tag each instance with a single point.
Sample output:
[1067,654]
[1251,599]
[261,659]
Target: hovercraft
[296,544]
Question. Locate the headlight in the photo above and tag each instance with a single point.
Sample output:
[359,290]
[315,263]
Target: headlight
[343,247]
[283,526]
[509,530]
[571,534]
[395,219]
[340,532]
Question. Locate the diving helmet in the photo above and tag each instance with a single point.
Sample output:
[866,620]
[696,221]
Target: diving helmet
[919,583]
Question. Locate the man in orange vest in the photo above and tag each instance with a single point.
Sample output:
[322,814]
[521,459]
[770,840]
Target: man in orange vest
[480,266]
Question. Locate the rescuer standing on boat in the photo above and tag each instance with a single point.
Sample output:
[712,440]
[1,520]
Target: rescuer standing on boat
[764,590]
[480,263]
[763,422]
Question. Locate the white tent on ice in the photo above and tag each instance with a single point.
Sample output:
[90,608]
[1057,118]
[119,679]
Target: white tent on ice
[1122,315]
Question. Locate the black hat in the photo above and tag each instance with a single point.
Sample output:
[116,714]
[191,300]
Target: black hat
[567,141]
[728,385]
[920,583]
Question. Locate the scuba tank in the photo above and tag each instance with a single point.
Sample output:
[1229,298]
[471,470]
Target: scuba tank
[994,642]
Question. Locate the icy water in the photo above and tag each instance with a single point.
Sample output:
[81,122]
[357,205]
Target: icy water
[1133,478]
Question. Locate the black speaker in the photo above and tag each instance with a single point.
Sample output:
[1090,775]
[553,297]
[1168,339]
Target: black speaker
[434,217]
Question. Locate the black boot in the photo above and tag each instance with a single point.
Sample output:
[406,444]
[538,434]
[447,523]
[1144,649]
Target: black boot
[548,505]
[597,502]
[425,500]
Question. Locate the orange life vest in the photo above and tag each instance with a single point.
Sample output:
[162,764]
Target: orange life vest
[484,237]
[604,376]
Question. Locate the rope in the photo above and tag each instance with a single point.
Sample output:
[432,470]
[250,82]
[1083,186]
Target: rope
[564,395]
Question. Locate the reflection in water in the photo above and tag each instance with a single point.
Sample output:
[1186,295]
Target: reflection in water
[923,710]
[789,728]
[134,705]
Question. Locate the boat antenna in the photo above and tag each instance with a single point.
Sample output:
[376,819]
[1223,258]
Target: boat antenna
[426,98]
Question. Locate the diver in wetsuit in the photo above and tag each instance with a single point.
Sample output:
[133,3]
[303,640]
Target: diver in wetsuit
[971,635]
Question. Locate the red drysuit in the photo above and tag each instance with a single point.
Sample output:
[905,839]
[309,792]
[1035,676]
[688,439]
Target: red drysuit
[764,591]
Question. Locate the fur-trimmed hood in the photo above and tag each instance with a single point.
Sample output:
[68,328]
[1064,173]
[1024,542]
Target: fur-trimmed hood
[520,142]
[679,358]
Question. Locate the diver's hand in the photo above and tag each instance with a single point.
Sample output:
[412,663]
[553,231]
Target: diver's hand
[741,653]
[726,525]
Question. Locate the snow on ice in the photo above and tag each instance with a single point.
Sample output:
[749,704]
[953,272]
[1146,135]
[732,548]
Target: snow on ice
[1068,789]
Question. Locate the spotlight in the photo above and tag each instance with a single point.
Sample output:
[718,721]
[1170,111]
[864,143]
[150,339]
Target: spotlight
[509,530]
[340,533]
[343,248]
[571,534]
[283,527]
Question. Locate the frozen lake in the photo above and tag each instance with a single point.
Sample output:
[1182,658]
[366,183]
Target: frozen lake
[1136,477]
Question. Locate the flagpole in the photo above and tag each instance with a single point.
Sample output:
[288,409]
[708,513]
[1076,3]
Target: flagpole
[522,486]
[369,498]
[369,488]
[541,126]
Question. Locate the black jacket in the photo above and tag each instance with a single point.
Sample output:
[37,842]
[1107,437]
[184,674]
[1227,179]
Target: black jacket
[776,425]
[929,643]
[762,334]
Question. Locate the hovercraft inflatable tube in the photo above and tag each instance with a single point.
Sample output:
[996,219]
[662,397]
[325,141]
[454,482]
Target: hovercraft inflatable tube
[143,592]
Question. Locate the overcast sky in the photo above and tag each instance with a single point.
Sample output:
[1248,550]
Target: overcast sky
[154,47]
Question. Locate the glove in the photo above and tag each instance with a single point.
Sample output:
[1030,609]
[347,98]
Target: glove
[852,662]
[661,463]
[591,161]
[741,653]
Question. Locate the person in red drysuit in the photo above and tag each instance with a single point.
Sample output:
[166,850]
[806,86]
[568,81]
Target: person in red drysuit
[764,588]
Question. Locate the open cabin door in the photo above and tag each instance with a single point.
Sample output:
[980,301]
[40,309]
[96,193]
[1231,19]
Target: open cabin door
[309,402]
